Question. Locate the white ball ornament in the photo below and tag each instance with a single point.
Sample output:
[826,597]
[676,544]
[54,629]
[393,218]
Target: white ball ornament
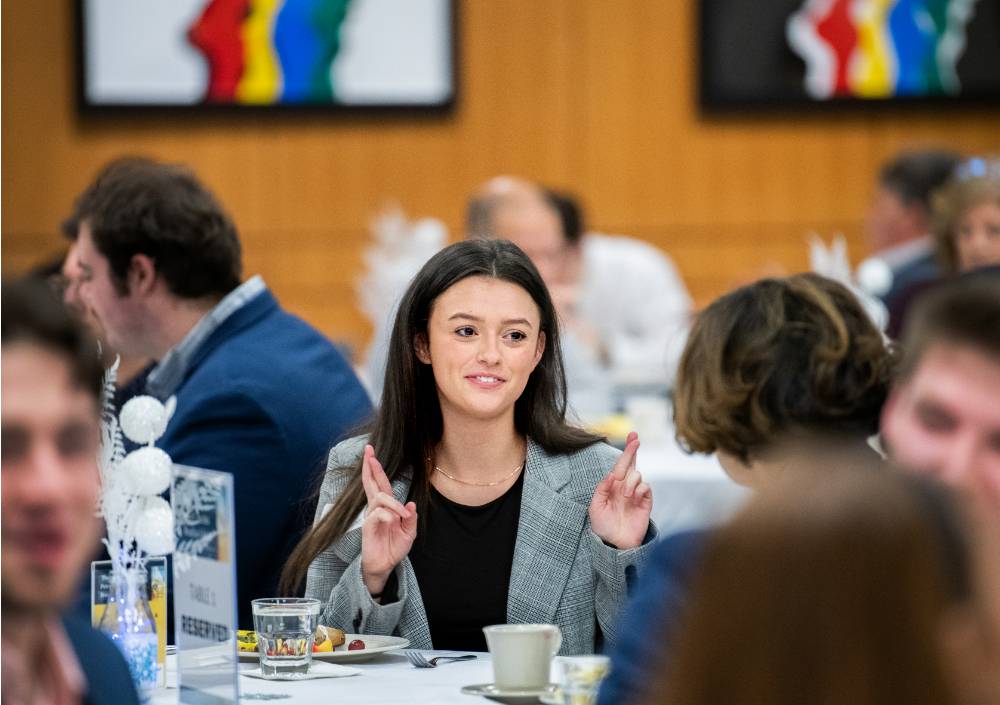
[875,276]
[146,471]
[154,528]
[143,419]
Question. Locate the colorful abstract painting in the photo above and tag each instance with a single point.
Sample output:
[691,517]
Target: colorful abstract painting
[774,53]
[267,52]
[880,48]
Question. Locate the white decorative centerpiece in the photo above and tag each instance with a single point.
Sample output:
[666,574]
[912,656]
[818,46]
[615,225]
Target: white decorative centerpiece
[399,249]
[832,262]
[139,522]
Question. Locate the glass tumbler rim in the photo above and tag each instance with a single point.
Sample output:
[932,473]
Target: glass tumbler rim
[307,602]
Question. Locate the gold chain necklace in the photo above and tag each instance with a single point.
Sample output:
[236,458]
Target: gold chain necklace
[481,484]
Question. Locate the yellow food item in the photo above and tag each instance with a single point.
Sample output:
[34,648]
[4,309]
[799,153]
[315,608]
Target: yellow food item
[326,638]
[246,641]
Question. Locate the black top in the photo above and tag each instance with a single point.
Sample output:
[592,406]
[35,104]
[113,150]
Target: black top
[462,557]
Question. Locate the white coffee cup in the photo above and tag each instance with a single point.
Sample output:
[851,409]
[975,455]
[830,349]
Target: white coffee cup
[522,654]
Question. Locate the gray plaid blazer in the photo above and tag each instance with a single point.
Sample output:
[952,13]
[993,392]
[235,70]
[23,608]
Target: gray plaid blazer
[562,573]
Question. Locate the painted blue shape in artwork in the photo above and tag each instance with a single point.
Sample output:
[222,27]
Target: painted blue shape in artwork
[299,49]
[913,37]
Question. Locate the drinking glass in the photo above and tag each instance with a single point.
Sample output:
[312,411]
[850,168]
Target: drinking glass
[285,627]
[581,678]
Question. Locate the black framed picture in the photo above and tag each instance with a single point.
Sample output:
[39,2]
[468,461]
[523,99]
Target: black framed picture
[237,55]
[778,53]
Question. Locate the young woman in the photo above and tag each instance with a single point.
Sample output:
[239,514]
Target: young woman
[967,217]
[472,502]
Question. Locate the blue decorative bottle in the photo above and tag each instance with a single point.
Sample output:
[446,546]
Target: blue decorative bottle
[128,620]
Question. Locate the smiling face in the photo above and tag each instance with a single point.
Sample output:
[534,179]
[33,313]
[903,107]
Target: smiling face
[945,418]
[483,342]
[977,236]
[50,479]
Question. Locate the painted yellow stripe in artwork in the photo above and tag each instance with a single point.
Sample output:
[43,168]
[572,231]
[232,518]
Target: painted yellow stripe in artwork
[872,74]
[260,81]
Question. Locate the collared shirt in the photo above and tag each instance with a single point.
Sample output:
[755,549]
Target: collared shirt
[900,255]
[168,374]
[58,680]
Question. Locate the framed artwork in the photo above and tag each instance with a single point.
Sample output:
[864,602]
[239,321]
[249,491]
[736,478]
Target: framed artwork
[190,55]
[848,52]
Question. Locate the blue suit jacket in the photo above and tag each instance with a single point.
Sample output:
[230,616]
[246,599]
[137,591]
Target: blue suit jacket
[650,617]
[265,398]
[108,679]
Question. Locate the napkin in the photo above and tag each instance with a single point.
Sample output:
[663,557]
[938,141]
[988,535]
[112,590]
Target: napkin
[317,669]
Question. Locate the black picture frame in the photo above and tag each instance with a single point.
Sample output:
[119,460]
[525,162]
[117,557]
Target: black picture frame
[745,65]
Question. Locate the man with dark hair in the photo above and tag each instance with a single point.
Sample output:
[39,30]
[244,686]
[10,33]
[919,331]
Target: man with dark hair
[51,391]
[898,223]
[943,415]
[260,394]
[620,300]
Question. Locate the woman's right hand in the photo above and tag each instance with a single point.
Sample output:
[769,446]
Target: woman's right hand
[389,526]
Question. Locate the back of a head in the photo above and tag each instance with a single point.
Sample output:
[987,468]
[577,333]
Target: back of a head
[779,357]
[33,314]
[830,592]
[964,312]
[139,206]
[914,176]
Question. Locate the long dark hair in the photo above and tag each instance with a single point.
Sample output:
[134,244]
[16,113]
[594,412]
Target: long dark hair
[409,425]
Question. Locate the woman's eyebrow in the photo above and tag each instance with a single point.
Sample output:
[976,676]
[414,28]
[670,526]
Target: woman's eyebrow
[477,319]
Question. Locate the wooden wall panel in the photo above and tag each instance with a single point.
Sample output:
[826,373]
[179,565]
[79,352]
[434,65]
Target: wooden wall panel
[590,95]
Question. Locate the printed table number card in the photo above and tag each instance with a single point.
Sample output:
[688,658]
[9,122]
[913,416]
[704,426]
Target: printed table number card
[156,584]
[204,573]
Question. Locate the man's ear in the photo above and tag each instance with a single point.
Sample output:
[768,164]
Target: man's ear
[421,347]
[141,274]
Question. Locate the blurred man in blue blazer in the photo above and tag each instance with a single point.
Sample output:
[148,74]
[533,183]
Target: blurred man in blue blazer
[260,394]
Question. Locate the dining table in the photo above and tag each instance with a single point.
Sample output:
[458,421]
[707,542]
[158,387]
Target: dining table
[690,491]
[385,679]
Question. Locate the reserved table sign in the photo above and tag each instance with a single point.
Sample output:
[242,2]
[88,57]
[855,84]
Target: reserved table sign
[204,573]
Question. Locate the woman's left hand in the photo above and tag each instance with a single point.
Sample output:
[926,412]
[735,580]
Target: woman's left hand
[619,511]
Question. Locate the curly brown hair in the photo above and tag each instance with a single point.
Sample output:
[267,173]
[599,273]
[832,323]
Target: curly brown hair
[780,356]
[956,198]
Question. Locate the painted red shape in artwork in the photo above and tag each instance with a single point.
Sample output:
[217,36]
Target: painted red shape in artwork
[837,28]
[216,34]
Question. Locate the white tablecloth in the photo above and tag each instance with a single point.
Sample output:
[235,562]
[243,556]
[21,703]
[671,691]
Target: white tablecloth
[689,491]
[388,679]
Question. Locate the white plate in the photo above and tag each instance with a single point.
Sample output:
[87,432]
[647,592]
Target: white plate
[374,645]
[507,695]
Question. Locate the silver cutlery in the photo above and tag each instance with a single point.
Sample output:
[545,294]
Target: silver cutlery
[421,661]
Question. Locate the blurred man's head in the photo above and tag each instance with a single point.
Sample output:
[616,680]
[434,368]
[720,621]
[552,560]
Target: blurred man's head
[900,209]
[149,237]
[943,414]
[506,208]
[51,381]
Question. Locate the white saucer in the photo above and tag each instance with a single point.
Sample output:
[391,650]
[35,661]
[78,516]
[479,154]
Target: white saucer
[509,695]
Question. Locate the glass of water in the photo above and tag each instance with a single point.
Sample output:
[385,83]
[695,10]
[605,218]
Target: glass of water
[285,627]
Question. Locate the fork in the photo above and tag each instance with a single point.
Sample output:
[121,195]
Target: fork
[421,661]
